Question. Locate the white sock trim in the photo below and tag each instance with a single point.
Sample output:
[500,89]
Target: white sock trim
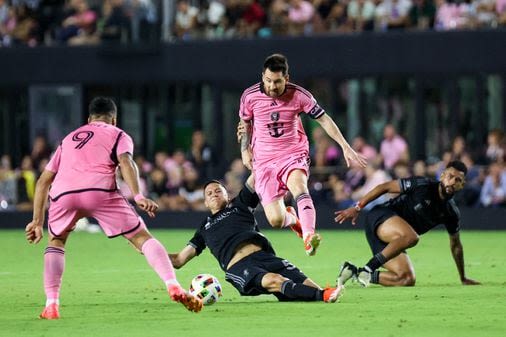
[50,301]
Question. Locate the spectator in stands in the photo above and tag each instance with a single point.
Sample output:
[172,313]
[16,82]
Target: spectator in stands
[470,194]
[300,15]
[114,24]
[500,8]
[393,14]
[337,20]
[374,176]
[235,177]
[80,26]
[277,18]
[495,146]
[493,193]
[361,14]
[21,27]
[323,151]
[340,193]
[186,20]
[422,14]
[191,191]
[157,186]
[360,146]
[393,147]
[25,184]
[8,185]
[458,148]
[252,19]
[40,151]
[201,155]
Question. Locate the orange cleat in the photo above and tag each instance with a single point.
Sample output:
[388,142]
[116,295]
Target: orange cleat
[297,228]
[50,312]
[311,243]
[190,302]
[331,295]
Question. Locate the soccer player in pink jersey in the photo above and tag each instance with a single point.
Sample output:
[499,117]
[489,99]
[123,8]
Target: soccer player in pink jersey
[81,182]
[275,147]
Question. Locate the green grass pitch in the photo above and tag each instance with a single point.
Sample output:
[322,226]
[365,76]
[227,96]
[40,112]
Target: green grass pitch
[109,290]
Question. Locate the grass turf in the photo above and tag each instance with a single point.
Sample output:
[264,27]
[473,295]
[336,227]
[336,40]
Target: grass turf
[109,290]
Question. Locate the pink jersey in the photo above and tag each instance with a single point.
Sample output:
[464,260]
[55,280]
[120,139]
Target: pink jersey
[86,159]
[277,128]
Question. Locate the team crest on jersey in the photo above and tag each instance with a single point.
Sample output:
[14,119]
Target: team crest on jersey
[275,128]
[274,116]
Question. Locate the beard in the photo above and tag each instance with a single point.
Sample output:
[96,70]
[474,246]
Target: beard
[447,191]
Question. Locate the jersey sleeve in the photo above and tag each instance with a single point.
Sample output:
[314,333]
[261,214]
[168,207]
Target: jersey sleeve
[197,242]
[54,163]
[245,111]
[125,144]
[453,223]
[247,198]
[309,104]
[409,184]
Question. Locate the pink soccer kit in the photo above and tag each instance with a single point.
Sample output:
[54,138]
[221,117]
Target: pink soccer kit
[279,142]
[85,182]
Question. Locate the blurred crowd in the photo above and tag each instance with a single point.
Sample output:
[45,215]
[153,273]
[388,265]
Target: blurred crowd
[175,180]
[89,22]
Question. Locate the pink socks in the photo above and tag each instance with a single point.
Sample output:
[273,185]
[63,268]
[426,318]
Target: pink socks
[54,264]
[307,214]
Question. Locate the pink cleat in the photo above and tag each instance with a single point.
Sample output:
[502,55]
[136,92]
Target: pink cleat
[50,312]
[190,302]
[297,228]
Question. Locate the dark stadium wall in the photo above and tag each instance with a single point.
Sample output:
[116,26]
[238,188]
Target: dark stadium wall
[367,54]
[472,218]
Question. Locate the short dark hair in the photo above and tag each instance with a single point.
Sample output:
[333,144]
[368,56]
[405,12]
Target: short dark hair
[275,63]
[102,106]
[458,165]
[213,181]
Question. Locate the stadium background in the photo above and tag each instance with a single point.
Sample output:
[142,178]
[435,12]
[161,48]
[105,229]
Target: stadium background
[441,87]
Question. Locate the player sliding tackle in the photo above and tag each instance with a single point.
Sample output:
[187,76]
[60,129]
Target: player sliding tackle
[82,178]
[393,227]
[275,147]
[244,254]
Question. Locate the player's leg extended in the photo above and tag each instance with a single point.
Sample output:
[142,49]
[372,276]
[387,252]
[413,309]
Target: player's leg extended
[398,236]
[158,259]
[54,265]
[400,272]
[307,291]
[297,184]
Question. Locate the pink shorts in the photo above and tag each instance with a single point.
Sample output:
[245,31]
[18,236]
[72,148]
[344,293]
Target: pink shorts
[112,211]
[271,177]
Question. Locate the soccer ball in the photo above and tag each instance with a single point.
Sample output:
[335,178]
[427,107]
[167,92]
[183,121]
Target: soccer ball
[206,287]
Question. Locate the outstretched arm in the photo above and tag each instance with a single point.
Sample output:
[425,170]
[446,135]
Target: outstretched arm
[244,136]
[392,186]
[333,131]
[130,174]
[33,231]
[458,256]
[180,259]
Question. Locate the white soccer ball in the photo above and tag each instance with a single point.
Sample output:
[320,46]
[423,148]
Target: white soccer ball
[206,287]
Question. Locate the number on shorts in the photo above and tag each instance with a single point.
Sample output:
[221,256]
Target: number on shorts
[82,137]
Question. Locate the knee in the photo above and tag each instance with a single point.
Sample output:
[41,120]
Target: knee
[276,221]
[407,279]
[273,282]
[412,240]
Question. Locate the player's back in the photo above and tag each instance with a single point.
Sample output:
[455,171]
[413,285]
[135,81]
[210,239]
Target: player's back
[87,158]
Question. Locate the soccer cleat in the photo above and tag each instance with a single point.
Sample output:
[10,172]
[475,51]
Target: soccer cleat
[364,277]
[50,312]
[190,302]
[297,228]
[348,270]
[331,295]
[311,243]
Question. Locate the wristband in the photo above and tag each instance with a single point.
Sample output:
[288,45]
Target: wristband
[358,206]
[138,197]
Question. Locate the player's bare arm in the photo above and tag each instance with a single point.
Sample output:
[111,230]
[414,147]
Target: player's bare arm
[245,140]
[458,256]
[180,259]
[333,131]
[392,186]
[130,174]
[33,230]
